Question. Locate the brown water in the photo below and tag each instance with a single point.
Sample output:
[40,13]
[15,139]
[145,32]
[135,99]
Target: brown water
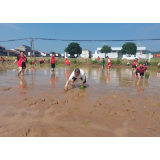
[114,103]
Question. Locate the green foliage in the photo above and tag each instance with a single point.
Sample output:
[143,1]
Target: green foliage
[73,61]
[129,48]
[141,62]
[113,62]
[29,61]
[73,48]
[106,49]
[56,63]
[147,75]
[118,61]
[94,61]
[48,60]
[106,63]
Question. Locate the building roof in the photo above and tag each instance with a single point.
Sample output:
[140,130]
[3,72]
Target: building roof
[35,51]
[119,48]
[26,46]
[2,46]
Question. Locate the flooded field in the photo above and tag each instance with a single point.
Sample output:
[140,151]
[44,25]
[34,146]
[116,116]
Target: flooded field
[114,103]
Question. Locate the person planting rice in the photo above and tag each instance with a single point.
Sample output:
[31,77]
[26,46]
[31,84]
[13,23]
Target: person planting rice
[103,62]
[34,62]
[76,74]
[146,63]
[2,59]
[109,63]
[128,64]
[134,64]
[140,71]
[158,64]
[52,61]
[67,62]
[21,63]
[41,61]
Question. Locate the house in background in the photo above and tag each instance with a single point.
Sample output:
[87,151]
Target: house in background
[86,53]
[37,53]
[23,48]
[2,51]
[12,52]
[45,54]
[116,52]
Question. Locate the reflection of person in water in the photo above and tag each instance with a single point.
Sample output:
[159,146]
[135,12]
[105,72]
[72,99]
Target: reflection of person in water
[52,81]
[67,74]
[108,76]
[139,85]
[22,85]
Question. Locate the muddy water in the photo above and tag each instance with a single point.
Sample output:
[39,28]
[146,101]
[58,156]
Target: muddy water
[113,104]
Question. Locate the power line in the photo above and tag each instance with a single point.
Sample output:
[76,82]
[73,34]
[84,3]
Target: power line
[14,40]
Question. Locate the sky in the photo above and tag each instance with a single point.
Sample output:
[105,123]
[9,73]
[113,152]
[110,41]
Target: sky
[79,31]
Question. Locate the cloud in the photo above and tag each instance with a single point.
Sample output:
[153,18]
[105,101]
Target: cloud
[10,25]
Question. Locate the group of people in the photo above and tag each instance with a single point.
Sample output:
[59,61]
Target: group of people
[103,62]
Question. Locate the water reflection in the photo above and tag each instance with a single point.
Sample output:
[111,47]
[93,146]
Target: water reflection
[52,80]
[139,85]
[22,85]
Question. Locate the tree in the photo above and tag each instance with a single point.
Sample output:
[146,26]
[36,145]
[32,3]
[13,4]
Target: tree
[129,48]
[106,49]
[73,48]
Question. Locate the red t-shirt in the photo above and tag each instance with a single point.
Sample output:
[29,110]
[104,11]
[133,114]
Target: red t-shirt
[2,59]
[134,63]
[53,59]
[98,58]
[140,71]
[67,62]
[109,61]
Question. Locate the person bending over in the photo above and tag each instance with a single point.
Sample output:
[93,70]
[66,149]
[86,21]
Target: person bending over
[140,71]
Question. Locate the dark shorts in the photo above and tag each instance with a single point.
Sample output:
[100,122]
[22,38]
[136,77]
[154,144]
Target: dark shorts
[81,79]
[133,66]
[141,74]
[40,62]
[52,65]
[23,65]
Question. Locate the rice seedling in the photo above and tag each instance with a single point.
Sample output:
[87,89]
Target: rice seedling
[133,111]
[70,111]
[86,122]
[90,112]
[130,130]
[124,104]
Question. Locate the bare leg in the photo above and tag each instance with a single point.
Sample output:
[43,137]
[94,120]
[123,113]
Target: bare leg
[20,70]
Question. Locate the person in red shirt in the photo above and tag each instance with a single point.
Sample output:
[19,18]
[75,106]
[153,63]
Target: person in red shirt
[140,71]
[21,63]
[98,59]
[134,64]
[2,59]
[67,62]
[52,61]
[109,63]
[34,62]
[41,61]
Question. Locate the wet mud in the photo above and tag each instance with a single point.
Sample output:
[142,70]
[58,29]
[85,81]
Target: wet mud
[114,104]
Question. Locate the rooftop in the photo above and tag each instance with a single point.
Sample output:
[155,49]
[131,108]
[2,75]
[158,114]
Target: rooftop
[119,48]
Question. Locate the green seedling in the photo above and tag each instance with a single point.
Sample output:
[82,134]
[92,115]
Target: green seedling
[124,104]
[107,114]
[94,106]
[106,124]
[86,122]
[133,111]
[145,98]
[130,130]
[90,112]
[70,111]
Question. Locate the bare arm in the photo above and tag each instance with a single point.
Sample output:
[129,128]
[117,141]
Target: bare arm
[67,83]
[138,75]
[14,62]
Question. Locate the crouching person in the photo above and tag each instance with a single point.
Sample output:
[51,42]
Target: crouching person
[76,74]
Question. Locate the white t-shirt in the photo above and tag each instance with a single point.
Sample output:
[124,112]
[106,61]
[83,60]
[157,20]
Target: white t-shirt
[82,75]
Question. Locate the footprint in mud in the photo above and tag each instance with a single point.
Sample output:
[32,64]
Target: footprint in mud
[5,89]
[98,104]
[10,114]
[66,101]
[56,102]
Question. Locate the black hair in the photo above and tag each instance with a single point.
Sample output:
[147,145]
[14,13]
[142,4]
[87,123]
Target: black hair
[141,67]
[77,70]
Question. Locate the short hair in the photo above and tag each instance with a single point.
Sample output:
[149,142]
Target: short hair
[103,58]
[77,70]
[141,67]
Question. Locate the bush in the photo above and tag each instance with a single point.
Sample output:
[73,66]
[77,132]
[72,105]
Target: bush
[73,61]
[48,60]
[29,61]
[94,61]
[113,62]
[56,63]
[147,75]
[141,62]
[118,61]
[106,63]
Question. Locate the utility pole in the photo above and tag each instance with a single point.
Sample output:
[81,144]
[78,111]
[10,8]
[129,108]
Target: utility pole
[31,47]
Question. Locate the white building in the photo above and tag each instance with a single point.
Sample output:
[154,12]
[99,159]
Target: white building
[116,52]
[86,54]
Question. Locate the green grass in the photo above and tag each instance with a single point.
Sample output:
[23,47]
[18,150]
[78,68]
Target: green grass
[90,112]
[133,111]
[130,130]
[86,122]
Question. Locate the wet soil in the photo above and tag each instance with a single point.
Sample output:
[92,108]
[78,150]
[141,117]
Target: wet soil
[113,104]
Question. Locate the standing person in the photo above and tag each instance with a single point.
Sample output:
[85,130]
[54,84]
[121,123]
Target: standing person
[134,64]
[140,71]
[103,62]
[52,61]
[109,63]
[2,59]
[98,59]
[21,63]
[67,62]
[76,74]
[146,63]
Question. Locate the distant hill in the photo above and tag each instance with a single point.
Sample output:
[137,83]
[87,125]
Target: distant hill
[152,52]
